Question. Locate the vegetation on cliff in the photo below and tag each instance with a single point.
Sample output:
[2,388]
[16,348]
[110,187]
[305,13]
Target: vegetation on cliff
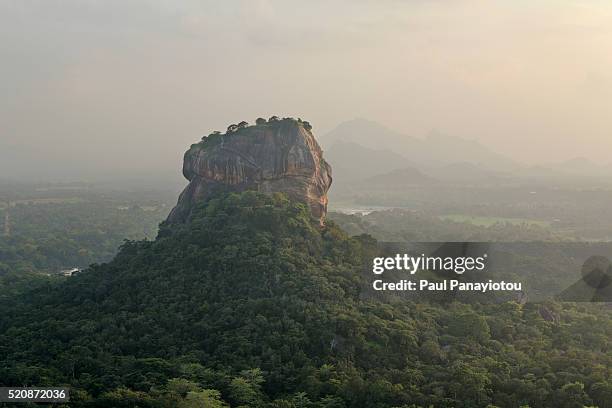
[215,137]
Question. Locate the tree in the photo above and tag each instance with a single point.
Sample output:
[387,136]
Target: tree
[205,398]
[260,121]
[181,386]
[243,124]
[601,392]
[430,351]
[124,397]
[273,119]
[246,389]
[470,324]
[572,395]
[470,383]
[212,134]
[307,125]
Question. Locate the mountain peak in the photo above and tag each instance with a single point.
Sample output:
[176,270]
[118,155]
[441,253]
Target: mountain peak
[365,132]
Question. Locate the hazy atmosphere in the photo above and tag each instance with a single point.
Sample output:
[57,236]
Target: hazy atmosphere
[306,204]
[104,89]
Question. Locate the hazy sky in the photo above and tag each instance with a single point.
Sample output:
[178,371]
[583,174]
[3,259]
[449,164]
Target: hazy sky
[125,86]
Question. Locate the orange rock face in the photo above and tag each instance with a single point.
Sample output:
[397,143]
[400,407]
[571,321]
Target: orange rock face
[281,156]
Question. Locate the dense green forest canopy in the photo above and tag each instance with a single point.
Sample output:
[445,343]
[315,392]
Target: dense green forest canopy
[41,236]
[417,226]
[251,304]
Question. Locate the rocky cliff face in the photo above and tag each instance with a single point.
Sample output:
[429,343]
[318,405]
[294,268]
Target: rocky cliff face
[274,156]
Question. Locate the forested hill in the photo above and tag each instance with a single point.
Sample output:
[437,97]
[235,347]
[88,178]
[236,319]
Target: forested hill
[251,303]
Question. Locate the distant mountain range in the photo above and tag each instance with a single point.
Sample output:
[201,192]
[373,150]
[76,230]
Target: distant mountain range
[434,150]
[582,166]
[405,177]
[361,150]
[468,173]
[352,161]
